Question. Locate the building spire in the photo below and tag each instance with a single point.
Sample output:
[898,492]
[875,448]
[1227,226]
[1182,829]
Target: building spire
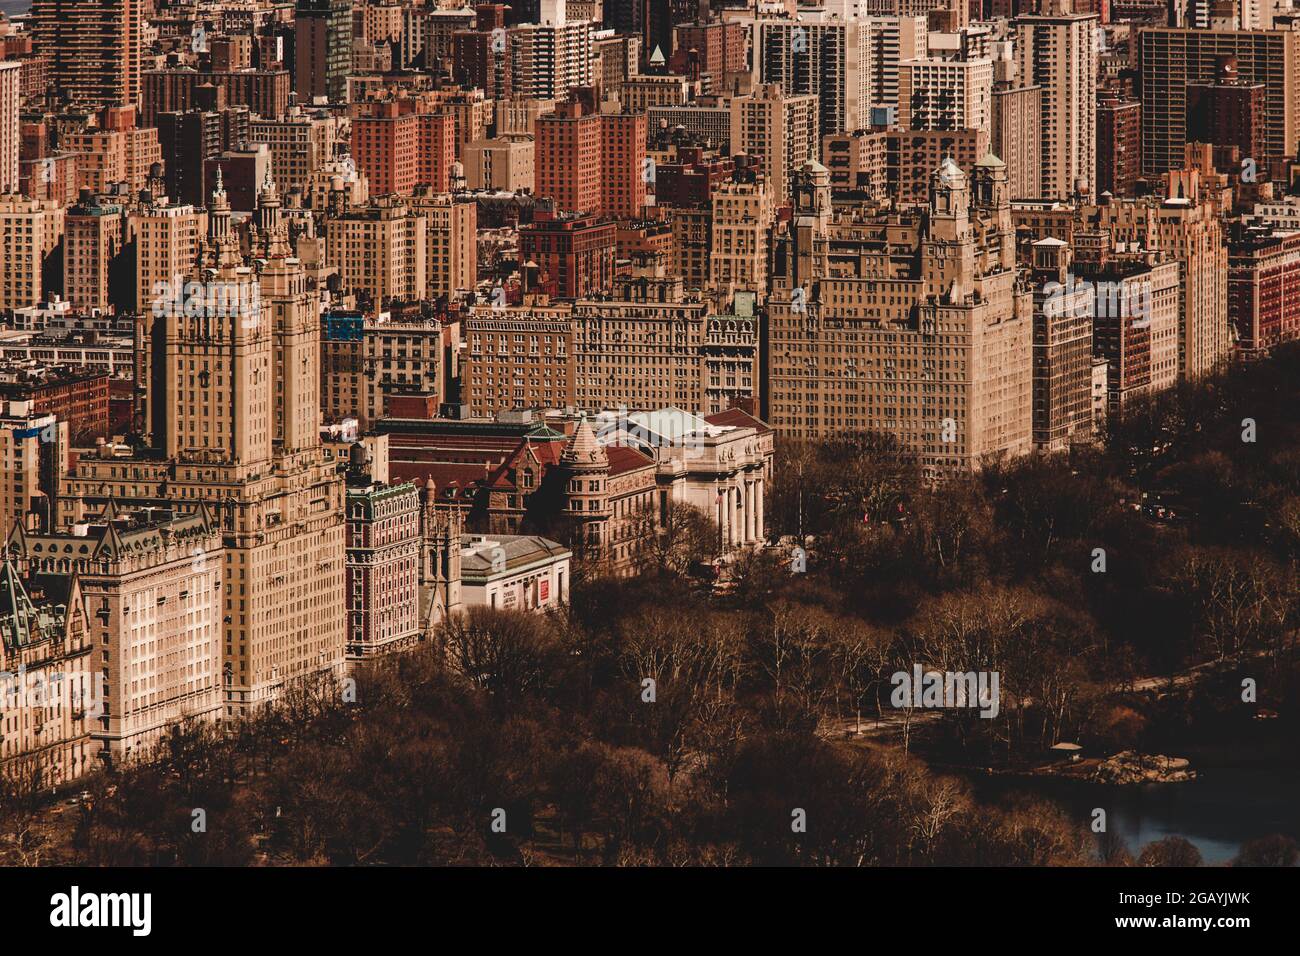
[583,448]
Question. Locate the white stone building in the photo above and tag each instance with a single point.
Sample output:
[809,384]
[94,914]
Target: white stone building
[514,572]
[719,464]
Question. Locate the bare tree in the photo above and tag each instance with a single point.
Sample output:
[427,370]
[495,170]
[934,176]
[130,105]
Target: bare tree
[685,536]
[505,652]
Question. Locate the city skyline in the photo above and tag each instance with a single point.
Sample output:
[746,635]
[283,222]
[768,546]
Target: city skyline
[656,433]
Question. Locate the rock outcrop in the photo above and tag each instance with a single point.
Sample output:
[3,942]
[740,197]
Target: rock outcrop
[1131,767]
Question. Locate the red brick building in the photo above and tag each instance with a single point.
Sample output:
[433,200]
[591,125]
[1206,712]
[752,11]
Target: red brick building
[383,562]
[1227,112]
[575,254]
[481,58]
[587,161]
[35,75]
[1263,290]
[690,182]
[265,92]
[400,144]
[75,396]
[1119,144]
[710,50]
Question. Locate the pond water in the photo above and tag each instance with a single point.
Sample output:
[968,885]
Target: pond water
[1225,807]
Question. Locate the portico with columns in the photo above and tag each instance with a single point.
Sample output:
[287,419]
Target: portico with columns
[720,469]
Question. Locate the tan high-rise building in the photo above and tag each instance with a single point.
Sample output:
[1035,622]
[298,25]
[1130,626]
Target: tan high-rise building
[1063,318]
[33,452]
[114,150]
[230,418]
[1017,136]
[821,54]
[94,233]
[503,164]
[167,241]
[300,143]
[380,251]
[1056,50]
[739,239]
[692,239]
[912,156]
[451,244]
[932,347]
[518,115]
[1169,60]
[1138,312]
[957,12]
[856,161]
[1183,225]
[30,231]
[778,132]
[939,94]
[892,40]
[151,580]
[94,49]
[552,56]
[10,96]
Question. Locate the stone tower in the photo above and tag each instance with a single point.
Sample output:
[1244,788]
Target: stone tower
[586,470]
[441,530]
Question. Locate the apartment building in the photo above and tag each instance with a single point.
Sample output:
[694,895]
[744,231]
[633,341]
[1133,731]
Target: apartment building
[500,164]
[299,144]
[518,357]
[32,229]
[1056,50]
[10,97]
[778,133]
[113,148]
[941,94]
[822,55]
[94,49]
[399,144]
[167,242]
[383,561]
[47,691]
[380,251]
[1169,60]
[151,581]
[739,236]
[229,419]
[552,56]
[366,359]
[1064,312]
[34,452]
[1184,225]
[932,347]
[591,161]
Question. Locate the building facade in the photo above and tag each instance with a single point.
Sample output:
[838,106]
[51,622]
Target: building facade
[932,348]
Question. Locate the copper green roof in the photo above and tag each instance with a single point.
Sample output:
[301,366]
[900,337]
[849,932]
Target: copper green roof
[23,622]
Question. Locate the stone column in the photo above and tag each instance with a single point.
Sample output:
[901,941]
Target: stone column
[749,512]
[721,509]
[732,517]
